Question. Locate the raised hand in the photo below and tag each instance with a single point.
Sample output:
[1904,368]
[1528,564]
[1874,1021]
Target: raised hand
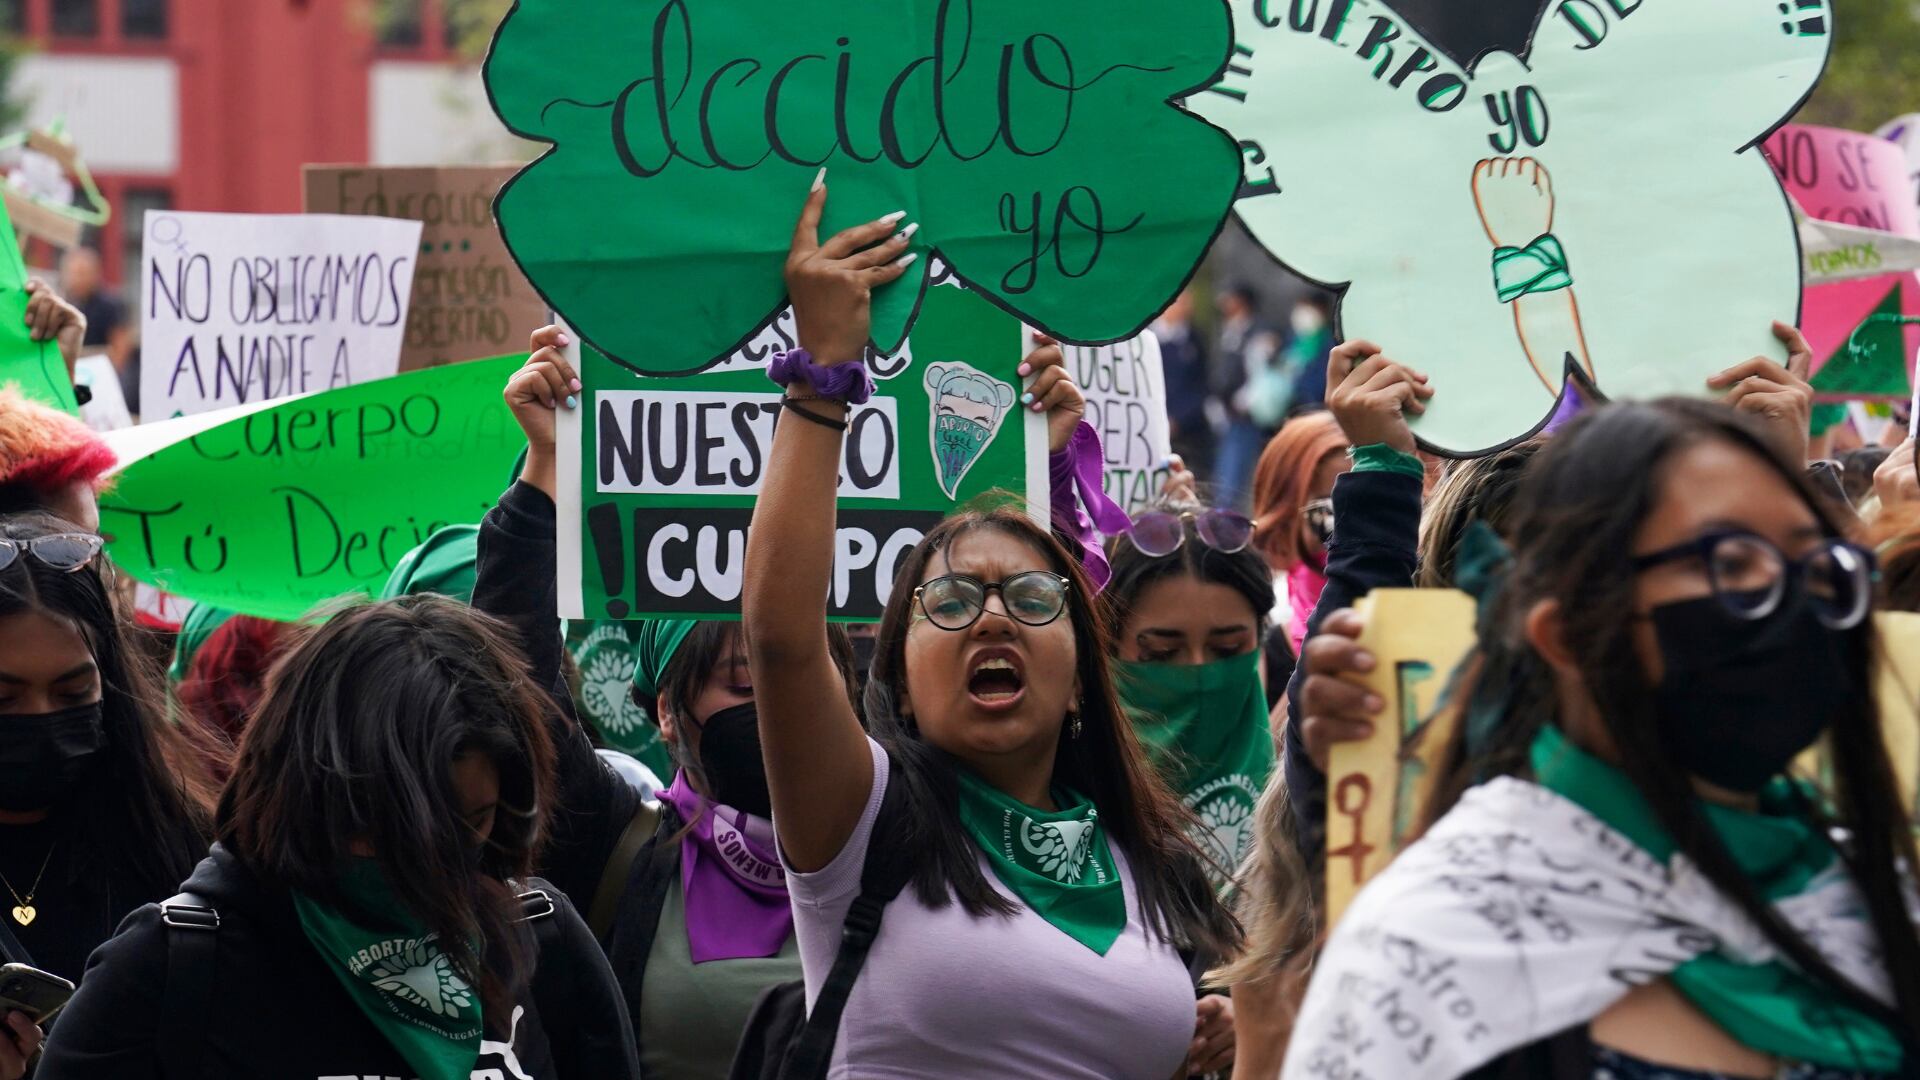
[1371,395]
[832,284]
[545,383]
[1779,397]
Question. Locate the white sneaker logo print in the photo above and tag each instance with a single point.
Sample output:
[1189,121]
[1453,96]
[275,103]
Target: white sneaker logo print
[421,976]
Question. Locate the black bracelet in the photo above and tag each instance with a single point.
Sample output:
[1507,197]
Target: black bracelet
[823,421]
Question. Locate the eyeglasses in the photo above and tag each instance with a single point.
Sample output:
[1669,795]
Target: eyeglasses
[1159,533]
[1319,517]
[956,601]
[69,552]
[1750,575]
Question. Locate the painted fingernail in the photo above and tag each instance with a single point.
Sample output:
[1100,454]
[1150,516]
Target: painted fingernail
[907,233]
[893,217]
[907,259]
[574,385]
[562,339]
[572,402]
[1025,369]
[1026,399]
[820,178]
[1374,703]
[1038,407]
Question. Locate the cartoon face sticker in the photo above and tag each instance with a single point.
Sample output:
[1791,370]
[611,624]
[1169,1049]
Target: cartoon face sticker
[967,410]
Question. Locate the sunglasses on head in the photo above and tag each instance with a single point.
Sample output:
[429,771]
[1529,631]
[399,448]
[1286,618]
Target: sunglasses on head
[68,552]
[1159,533]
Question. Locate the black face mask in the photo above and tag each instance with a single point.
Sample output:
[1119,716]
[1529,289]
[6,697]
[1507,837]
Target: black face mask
[1741,700]
[730,760]
[43,755]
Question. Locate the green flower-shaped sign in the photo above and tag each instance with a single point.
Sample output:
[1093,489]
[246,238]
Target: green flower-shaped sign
[1035,142]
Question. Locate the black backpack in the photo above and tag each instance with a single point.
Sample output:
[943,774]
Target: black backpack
[782,1041]
[193,927]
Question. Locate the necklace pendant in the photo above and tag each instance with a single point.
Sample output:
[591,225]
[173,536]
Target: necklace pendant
[24,914]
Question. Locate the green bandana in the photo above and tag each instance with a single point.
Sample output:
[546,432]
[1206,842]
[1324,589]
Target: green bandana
[1537,268]
[655,643]
[1206,727]
[397,975]
[445,565]
[606,653]
[1771,1007]
[201,621]
[1057,864]
[957,441]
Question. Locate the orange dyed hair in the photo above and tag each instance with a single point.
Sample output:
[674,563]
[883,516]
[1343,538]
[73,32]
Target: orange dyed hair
[44,449]
[1282,481]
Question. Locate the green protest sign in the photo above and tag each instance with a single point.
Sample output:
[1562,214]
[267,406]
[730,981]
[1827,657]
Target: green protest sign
[658,476]
[318,496]
[1510,194]
[36,367]
[1036,143]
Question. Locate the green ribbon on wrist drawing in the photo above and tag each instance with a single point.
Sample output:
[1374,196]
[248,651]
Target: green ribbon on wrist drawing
[1540,267]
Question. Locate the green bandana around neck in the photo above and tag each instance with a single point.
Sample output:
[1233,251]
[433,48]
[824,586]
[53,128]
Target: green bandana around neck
[396,975]
[1773,1007]
[1058,864]
[1205,726]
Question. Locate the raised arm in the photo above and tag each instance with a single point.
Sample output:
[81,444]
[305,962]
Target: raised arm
[818,767]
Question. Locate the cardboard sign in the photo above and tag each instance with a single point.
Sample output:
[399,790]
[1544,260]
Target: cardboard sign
[248,307]
[1377,788]
[658,475]
[1126,392]
[1042,154]
[1474,206]
[469,299]
[294,503]
[1861,346]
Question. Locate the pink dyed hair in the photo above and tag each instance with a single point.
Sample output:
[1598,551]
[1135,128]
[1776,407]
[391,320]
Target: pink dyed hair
[45,449]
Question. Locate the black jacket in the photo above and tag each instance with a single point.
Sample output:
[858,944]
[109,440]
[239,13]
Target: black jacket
[1376,541]
[277,1012]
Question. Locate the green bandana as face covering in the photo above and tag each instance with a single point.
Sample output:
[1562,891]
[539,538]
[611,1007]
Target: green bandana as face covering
[1057,864]
[1772,1007]
[397,976]
[1206,727]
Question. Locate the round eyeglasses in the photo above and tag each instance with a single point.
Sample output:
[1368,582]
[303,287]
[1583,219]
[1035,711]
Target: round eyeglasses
[68,552]
[1159,533]
[1750,575]
[956,601]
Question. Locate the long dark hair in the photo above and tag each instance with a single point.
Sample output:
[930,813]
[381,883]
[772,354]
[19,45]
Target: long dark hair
[1579,508]
[146,806]
[1245,571]
[355,740]
[1106,763]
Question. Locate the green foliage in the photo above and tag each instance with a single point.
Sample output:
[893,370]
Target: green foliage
[1874,73]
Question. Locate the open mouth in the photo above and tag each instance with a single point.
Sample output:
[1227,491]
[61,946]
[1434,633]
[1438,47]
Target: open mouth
[996,679]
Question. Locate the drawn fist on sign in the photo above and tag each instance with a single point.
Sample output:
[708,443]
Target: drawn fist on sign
[1515,200]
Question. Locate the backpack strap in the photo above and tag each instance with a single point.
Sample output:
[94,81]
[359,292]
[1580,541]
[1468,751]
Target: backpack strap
[192,926]
[619,869]
[888,868]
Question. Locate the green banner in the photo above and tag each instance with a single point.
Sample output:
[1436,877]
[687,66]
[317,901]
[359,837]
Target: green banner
[1036,142]
[292,505]
[35,367]
[659,475]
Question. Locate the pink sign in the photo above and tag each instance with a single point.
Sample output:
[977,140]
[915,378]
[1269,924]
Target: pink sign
[1856,179]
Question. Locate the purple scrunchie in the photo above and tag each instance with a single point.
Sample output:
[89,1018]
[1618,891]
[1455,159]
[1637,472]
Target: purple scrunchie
[1076,472]
[840,382]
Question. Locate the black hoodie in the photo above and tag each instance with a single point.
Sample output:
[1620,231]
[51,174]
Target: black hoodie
[278,1013]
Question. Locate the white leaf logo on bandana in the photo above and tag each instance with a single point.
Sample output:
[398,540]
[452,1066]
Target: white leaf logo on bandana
[1061,846]
[421,976]
[606,681]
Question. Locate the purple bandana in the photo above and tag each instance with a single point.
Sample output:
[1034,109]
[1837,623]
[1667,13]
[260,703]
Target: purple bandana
[735,890]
